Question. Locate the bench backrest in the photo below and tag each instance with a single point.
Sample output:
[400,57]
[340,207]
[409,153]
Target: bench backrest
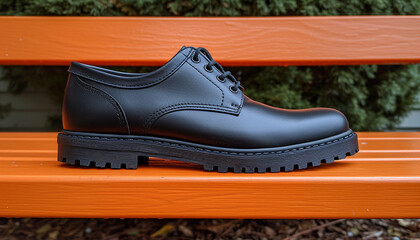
[232,41]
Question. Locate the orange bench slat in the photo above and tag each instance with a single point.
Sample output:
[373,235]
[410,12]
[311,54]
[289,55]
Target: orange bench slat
[232,40]
[372,184]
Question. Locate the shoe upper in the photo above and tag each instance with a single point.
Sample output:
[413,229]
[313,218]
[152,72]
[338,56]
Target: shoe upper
[190,98]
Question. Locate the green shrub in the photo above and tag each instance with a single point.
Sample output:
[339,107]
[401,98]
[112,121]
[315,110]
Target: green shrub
[373,97]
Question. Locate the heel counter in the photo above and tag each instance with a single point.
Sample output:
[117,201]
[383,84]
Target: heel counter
[89,109]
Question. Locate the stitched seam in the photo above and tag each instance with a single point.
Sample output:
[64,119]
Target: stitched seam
[103,94]
[137,85]
[152,117]
[211,150]
[242,97]
[223,94]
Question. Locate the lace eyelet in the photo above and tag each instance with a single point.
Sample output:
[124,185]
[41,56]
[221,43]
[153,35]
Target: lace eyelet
[195,60]
[233,90]
[207,69]
[220,80]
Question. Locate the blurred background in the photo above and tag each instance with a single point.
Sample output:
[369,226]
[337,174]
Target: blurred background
[373,97]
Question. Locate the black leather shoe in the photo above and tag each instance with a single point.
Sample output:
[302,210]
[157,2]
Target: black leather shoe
[191,110]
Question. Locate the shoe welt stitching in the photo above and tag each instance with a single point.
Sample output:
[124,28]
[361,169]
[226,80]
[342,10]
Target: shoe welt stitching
[209,150]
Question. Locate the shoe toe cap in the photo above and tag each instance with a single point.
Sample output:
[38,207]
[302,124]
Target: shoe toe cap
[311,125]
[328,122]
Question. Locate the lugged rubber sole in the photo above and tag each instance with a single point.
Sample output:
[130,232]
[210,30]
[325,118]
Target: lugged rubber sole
[126,151]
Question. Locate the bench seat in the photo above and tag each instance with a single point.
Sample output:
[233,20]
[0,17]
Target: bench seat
[381,181]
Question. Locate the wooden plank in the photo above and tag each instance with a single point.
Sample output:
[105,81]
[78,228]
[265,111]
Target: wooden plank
[388,135]
[233,41]
[326,192]
[376,184]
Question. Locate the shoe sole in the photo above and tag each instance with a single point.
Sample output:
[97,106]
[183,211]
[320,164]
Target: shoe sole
[127,151]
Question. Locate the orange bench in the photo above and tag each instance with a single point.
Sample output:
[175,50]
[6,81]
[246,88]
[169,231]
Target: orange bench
[382,181]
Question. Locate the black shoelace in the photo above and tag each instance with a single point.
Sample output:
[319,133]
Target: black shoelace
[213,63]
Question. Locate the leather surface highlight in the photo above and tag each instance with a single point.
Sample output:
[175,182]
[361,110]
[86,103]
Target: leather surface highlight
[257,126]
[183,100]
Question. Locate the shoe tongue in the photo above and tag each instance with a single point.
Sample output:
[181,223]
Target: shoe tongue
[184,50]
[183,47]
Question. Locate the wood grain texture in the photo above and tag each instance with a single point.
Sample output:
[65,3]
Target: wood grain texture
[382,181]
[232,41]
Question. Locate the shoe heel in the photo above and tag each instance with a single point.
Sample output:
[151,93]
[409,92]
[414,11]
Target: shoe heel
[89,157]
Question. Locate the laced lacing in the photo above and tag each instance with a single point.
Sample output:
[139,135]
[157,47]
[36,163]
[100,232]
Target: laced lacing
[213,63]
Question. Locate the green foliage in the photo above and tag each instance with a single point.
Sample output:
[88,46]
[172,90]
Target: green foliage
[372,97]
